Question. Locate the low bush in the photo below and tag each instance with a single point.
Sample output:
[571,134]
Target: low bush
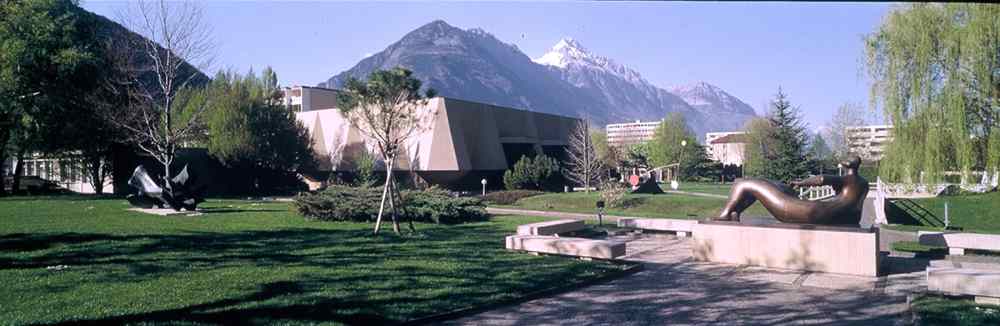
[360,204]
[436,205]
[509,197]
[340,203]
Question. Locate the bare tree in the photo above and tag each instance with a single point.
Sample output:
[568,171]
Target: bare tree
[584,165]
[847,115]
[154,73]
[387,110]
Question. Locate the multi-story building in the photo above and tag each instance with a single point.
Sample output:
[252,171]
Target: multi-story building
[726,147]
[624,134]
[41,172]
[868,142]
[306,98]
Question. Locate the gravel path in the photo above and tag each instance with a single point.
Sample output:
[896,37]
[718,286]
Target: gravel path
[673,289]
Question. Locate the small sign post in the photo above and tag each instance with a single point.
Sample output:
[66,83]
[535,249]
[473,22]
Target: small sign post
[600,212]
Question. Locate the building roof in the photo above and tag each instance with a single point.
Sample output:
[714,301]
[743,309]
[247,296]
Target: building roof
[731,138]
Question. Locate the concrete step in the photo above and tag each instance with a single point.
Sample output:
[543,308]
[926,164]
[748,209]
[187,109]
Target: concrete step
[579,247]
[964,281]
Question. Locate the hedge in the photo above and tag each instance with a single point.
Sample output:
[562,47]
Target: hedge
[360,204]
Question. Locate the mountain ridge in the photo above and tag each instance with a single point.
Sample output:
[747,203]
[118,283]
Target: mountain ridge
[568,80]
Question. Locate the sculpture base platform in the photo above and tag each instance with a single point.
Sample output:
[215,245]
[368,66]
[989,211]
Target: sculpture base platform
[165,211]
[804,247]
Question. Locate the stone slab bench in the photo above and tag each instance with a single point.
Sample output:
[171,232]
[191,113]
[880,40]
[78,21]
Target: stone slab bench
[978,279]
[551,227]
[681,227]
[958,242]
[579,247]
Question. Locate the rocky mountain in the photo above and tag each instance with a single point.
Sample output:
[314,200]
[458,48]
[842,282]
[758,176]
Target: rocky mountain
[568,80]
[629,95]
[712,101]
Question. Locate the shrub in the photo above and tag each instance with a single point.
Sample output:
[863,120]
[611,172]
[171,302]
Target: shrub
[613,193]
[360,204]
[539,173]
[340,203]
[436,205]
[509,197]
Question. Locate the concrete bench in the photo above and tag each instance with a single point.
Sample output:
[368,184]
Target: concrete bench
[981,280]
[551,227]
[958,242]
[681,227]
[579,247]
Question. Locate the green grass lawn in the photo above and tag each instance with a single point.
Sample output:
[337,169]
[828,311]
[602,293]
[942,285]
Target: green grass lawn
[643,205]
[703,187]
[252,263]
[937,310]
[972,213]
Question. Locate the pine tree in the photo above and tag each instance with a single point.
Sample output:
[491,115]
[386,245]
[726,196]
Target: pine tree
[787,159]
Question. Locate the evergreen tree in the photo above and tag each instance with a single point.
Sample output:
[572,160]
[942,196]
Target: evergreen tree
[787,159]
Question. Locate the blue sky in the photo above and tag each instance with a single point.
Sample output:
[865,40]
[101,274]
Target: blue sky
[814,51]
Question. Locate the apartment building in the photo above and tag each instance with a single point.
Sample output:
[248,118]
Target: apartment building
[726,147]
[307,98]
[624,134]
[868,142]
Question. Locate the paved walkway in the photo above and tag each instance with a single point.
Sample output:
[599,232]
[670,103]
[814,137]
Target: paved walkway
[675,290]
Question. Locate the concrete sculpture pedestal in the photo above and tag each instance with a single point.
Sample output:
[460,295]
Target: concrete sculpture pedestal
[805,247]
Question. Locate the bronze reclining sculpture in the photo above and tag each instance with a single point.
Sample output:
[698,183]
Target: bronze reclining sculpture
[844,208]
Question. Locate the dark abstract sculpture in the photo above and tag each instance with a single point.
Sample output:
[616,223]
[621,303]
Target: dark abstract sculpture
[844,208]
[187,194]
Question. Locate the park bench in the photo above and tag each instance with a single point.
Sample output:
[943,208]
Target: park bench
[681,227]
[958,242]
[578,247]
[975,278]
[551,227]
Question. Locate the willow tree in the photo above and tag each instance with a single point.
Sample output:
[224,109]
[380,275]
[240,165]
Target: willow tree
[387,109]
[759,138]
[936,75]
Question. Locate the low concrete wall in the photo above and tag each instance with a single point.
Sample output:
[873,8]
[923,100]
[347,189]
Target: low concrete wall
[551,227]
[842,250]
[682,227]
[960,240]
[579,247]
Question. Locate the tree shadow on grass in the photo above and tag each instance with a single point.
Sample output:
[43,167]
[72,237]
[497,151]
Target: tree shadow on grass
[352,278]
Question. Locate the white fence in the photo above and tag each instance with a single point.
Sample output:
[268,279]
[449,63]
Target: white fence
[816,193]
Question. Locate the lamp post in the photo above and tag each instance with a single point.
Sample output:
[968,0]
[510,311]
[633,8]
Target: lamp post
[680,161]
[484,186]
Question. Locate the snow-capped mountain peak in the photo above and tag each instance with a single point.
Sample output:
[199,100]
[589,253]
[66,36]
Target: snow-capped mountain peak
[705,94]
[569,52]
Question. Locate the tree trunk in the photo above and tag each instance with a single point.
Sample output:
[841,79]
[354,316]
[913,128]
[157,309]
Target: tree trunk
[166,179]
[410,219]
[3,160]
[18,171]
[392,204]
[385,191]
[96,175]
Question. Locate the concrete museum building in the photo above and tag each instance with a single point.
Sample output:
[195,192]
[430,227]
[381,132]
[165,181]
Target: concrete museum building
[462,142]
